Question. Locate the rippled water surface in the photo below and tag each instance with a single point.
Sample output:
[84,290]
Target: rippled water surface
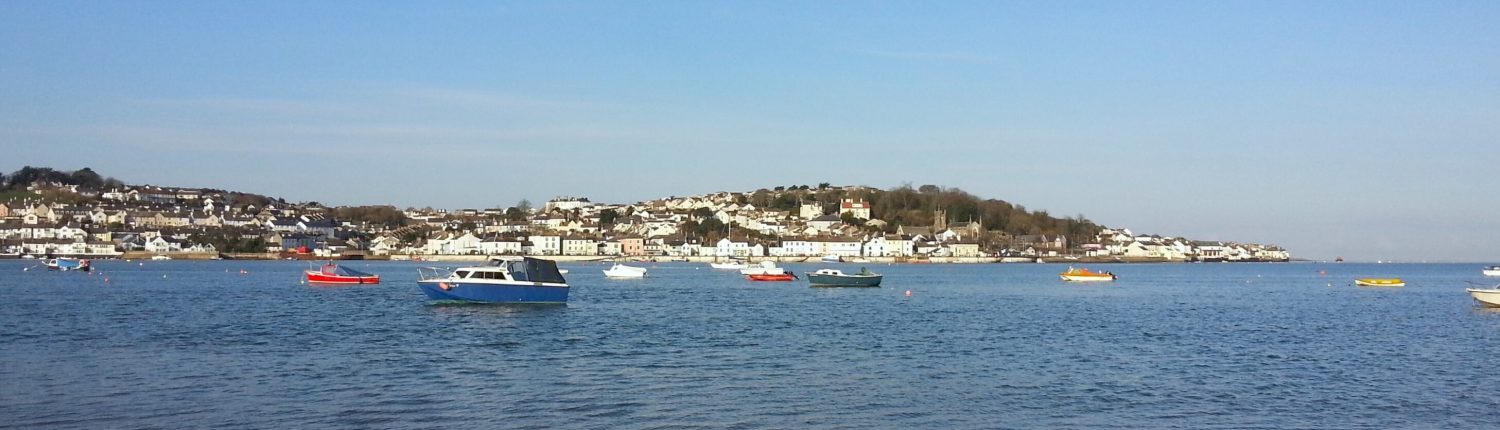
[198,345]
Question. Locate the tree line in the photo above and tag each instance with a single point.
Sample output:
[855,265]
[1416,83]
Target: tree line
[84,178]
[917,206]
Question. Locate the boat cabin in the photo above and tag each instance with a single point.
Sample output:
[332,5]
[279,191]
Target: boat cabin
[511,269]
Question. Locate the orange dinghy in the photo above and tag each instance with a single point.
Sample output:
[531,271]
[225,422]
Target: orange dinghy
[1084,275]
[768,277]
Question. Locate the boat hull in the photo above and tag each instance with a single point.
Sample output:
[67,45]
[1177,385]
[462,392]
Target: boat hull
[1087,278]
[785,277]
[315,277]
[493,293]
[1491,272]
[1486,296]
[818,280]
[1379,283]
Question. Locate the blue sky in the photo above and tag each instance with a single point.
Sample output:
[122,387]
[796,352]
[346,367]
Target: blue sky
[1360,129]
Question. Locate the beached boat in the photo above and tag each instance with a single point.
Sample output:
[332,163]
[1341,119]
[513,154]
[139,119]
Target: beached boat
[1486,296]
[773,278]
[335,274]
[765,268]
[837,278]
[1491,271]
[67,264]
[832,259]
[498,280]
[1380,282]
[1084,275]
[160,257]
[623,271]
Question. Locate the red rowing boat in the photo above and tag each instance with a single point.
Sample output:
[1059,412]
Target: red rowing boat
[334,274]
[781,277]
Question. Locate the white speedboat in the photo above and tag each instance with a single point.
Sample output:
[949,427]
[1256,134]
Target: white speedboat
[1491,271]
[765,268]
[1486,296]
[623,271]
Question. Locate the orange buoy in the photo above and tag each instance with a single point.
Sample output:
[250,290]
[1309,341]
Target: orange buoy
[908,293]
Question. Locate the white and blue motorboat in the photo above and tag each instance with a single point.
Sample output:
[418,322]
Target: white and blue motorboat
[498,280]
[67,264]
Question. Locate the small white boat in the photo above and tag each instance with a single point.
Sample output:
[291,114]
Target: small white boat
[1491,271]
[28,257]
[1084,275]
[1486,296]
[623,271]
[160,257]
[765,268]
[732,265]
[832,259]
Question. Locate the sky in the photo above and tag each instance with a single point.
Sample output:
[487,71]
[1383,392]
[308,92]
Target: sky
[1363,129]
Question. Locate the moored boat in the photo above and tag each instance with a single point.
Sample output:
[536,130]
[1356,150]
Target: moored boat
[731,265]
[773,278]
[1486,296]
[765,268]
[623,271]
[335,274]
[1084,275]
[67,264]
[837,278]
[832,259]
[160,257]
[1491,271]
[498,280]
[1380,282]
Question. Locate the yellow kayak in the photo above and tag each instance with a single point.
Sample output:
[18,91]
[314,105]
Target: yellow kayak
[1380,282]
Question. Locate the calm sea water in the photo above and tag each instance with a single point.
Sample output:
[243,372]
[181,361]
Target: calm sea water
[197,344]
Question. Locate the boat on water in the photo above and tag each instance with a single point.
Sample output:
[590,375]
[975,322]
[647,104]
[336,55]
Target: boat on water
[765,268]
[67,264]
[784,277]
[837,278]
[1380,282]
[160,257]
[335,274]
[831,259]
[1489,297]
[28,257]
[1085,275]
[622,271]
[732,264]
[498,280]
[1491,271]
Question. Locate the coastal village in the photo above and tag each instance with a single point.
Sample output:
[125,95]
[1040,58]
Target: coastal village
[54,218]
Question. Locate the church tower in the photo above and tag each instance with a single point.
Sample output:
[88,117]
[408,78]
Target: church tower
[939,220]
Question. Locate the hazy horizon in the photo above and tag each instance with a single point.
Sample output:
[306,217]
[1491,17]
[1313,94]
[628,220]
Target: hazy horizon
[1365,130]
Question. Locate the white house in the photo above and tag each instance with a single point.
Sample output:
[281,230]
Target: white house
[545,245]
[858,208]
[579,246]
[500,246]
